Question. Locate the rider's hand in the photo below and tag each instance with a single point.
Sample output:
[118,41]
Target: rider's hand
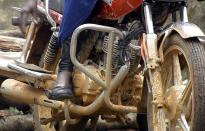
[29,8]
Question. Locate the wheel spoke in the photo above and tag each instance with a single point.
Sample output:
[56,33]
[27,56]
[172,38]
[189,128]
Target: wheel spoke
[161,120]
[186,94]
[177,70]
[183,123]
[168,77]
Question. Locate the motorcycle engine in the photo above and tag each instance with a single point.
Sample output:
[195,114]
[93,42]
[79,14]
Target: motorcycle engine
[128,49]
[85,88]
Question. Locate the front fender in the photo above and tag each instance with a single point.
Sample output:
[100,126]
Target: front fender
[185,30]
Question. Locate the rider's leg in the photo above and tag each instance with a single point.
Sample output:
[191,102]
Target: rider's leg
[63,88]
[75,13]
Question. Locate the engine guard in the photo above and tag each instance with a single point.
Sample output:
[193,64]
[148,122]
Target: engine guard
[185,30]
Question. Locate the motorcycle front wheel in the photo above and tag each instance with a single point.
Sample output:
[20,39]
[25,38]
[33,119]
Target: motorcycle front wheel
[183,80]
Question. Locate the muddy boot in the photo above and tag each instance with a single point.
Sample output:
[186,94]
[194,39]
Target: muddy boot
[63,88]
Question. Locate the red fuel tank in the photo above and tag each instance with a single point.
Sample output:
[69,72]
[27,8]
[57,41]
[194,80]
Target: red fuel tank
[117,9]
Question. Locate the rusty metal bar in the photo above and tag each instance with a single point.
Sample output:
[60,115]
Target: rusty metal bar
[108,74]
[87,110]
[109,85]
[69,120]
[74,46]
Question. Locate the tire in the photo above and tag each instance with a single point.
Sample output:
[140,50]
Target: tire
[193,53]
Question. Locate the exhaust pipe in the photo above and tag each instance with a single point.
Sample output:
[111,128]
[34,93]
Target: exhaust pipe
[20,92]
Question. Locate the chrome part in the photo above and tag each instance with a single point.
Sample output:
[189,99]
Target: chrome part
[109,85]
[151,39]
[74,45]
[153,59]
[184,14]
[27,72]
[47,9]
[183,123]
[108,74]
[148,19]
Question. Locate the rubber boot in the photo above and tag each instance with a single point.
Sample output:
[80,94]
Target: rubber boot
[63,88]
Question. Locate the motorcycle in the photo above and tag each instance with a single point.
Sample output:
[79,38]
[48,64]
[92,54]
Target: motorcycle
[136,58]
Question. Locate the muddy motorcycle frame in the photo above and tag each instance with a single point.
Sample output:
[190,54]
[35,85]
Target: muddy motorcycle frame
[153,47]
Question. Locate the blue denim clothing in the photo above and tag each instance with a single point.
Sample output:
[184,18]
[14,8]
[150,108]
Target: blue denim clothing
[75,13]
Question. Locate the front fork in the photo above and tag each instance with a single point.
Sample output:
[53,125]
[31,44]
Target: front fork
[153,66]
[153,60]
